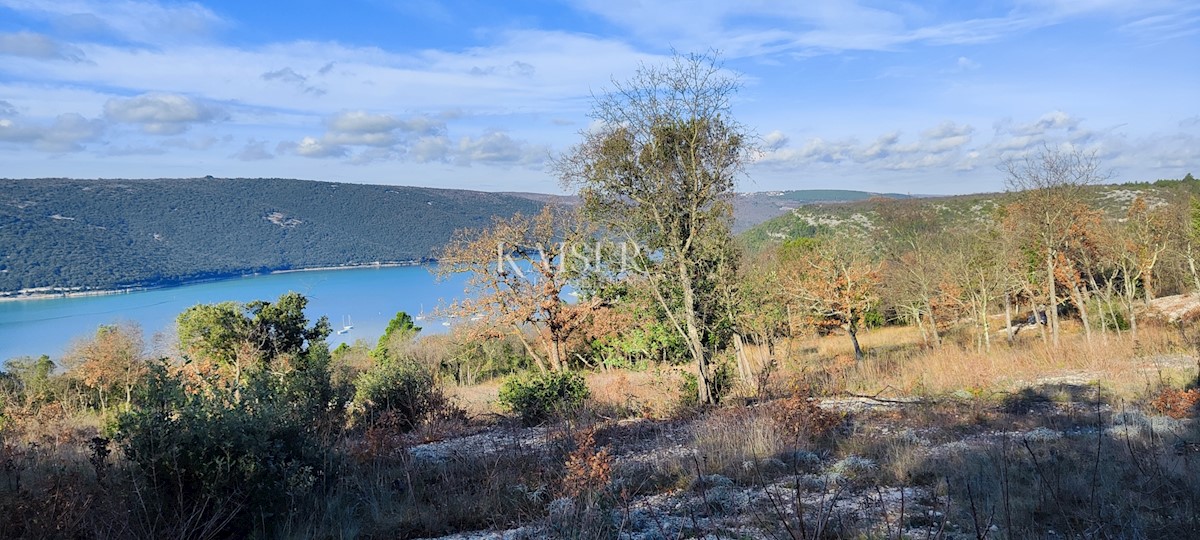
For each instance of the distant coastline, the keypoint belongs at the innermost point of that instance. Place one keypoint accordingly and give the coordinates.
(49, 293)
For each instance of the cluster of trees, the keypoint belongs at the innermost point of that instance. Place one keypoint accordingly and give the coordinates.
(656, 179)
(250, 412)
(1047, 252)
(105, 234)
(242, 419)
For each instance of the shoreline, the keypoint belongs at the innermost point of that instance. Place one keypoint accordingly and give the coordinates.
(18, 296)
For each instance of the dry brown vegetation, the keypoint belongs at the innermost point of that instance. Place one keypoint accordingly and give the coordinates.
(1093, 440)
(1003, 378)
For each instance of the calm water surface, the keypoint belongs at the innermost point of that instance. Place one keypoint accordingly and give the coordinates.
(366, 298)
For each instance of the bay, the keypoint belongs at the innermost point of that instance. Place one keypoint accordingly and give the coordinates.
(366, 298)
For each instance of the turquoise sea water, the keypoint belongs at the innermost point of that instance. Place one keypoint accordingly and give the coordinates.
(365, 297)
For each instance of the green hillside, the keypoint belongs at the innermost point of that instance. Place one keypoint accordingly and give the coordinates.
(751, 209)
(100, 234)
(862, 214)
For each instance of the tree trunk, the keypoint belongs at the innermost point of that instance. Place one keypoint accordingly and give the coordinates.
(744, 369)
(1099, 309)
(1131, 295)
(1148, 283)
(1008, 316)
(937, 338)
(987, 330)
(921, 326)
(1037, 318)
(852, 330)
(1191, 257)
(1131, 301)
(1053, 307)
(1081, 303)
(1133, 322)
(1111, 297)
(695, 343)
(541, 364)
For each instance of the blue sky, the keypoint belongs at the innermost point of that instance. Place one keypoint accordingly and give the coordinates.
(906, 97)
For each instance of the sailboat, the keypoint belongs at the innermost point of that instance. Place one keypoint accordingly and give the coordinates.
(346, 325)
(421, 315)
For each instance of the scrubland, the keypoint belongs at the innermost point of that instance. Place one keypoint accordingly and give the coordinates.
(1084, 440)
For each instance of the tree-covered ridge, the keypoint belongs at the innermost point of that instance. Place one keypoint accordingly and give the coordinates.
(863, 216)
(101, 234)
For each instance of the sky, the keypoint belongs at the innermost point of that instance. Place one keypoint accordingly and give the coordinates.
(904, 97)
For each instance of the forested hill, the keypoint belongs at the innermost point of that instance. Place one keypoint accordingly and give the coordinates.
(864, 215)
(101, 234)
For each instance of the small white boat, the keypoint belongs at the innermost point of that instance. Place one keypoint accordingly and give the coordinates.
(421, 316)
(346, 326)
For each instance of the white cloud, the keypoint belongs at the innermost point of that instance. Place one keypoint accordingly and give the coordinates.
(66, 133)
(950, 149)
(289, 77)
(197, 144)
(430, 149)
(380, 139)
(945, 137)
(255, 150)
(378, 129)
(365, 78)
(882, 147)
(419, 139)
(315, 148)
(938, 146)
(162, 114)
(363, 122)
(1157, 28)
(387, 135)
(498, 148)
(129, 20)
(135, 151)
(756, 28)
(502, 102)
(286, 75)
(37, 46)
(775, 140)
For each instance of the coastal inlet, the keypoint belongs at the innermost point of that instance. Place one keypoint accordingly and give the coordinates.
(369, 297)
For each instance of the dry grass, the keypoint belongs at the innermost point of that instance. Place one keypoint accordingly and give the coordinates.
(616, 393)
(646, 394)
(731, 441)
(985, 462)
(477, 400)
(898, 364)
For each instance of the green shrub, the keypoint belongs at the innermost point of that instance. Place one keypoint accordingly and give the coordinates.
(873, 318)
(721, 383)
(537, 398)
(402, 388)
(238, 462)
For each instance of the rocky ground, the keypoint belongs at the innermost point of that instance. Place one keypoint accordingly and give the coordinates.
(871, 476)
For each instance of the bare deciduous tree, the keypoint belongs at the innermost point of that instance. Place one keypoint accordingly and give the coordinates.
(658, 168)
(1051, 183)
(834, 280)
(114, 360)
(519, 268)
